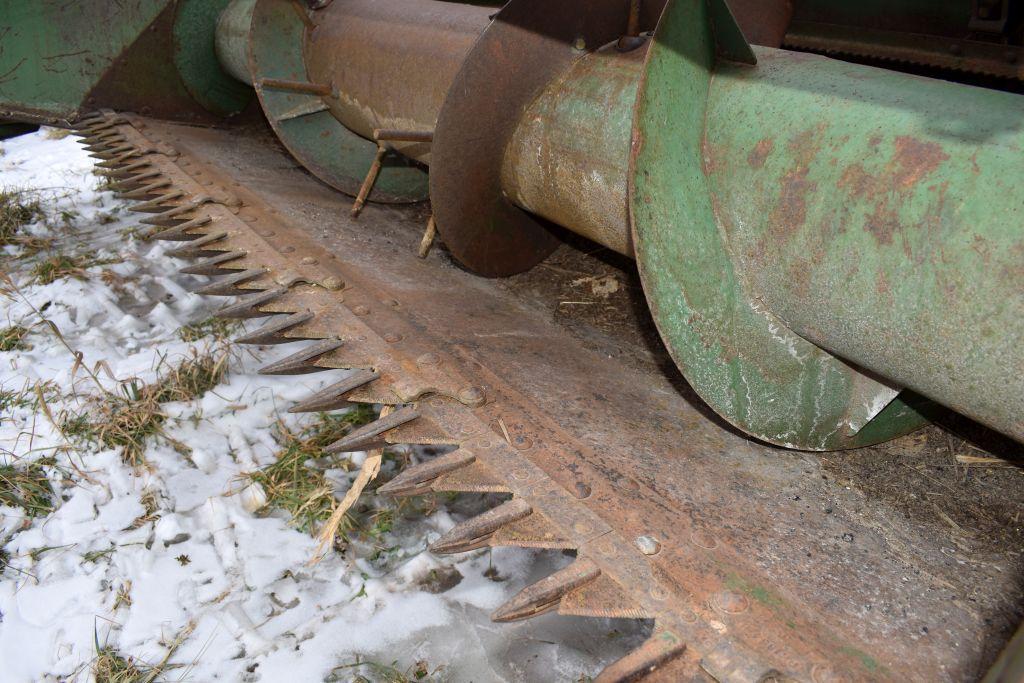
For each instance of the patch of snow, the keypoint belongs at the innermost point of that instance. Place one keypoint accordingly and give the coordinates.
(233, 585)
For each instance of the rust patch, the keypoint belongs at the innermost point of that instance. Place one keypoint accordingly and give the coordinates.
(856, 181)
(790, 213)
(914, 160)
(883, 223)
(882, 284)
(760, 153)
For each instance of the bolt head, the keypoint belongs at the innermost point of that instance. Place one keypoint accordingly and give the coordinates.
(648, 545)
(471, 396)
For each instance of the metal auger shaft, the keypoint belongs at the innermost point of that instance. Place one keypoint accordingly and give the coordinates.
(870, 219)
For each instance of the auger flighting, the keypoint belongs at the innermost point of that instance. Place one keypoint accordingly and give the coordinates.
(825, 246)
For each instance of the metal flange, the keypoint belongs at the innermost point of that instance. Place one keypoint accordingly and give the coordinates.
(299, 114)
(742, 360)
(528, 45)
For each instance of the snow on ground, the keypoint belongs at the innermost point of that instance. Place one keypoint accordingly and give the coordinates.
(172, 558)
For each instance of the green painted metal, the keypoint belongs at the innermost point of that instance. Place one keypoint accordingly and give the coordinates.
(738, 356)
(804, 211)
(232, 38)
(62, 58)
(196, 58)
(330, 151)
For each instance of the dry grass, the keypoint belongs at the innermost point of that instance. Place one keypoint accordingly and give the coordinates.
(218, 328)
(368, 671)
(63, 266)
(18, 208)
(13, 339)
(128, 421)
(110, 666)
(291, 484)
(27, 487)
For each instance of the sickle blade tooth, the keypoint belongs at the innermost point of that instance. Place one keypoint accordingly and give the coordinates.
(118, 162)
(227, 285)
(604, 598)
(124, 171)
(146, 191)
(249, 306)
(418, 479)
(180, 233)
(133, 182)
(333, 397)
(547, 594)
(104, 143)
(274, 333)
(534, 531)
(173, 216)
(476, 532)
(100, 137)
(303, 362)
(115, 152)
(214, 265)
(199, 247)
(424, 432)
(658, 651)
(158, 205)
(477, 478)
(371, 436)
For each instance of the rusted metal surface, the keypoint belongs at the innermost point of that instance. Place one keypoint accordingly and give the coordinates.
(889, 230)
(391, 62)
(529, 44)
(750, 580)
(156, 56)
(568, 158)
(983, 37)
(302, 119)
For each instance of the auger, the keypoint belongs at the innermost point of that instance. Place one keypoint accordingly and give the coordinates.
(822, 244)
(828, 249)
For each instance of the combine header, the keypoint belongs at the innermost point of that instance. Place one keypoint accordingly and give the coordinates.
(830, 249)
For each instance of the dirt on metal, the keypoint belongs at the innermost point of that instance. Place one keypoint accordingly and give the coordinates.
(754, 563)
